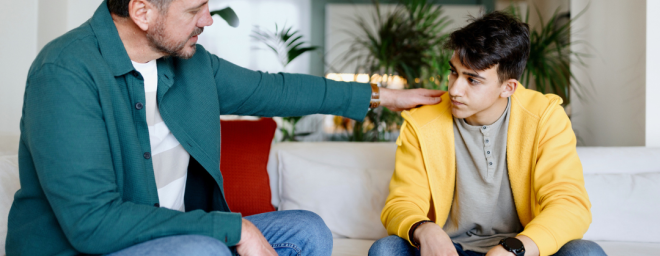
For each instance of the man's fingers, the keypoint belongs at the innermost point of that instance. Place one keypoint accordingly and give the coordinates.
(433, 93)
(431, 100)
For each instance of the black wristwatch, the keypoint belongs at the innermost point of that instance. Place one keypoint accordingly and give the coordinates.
(513, 245)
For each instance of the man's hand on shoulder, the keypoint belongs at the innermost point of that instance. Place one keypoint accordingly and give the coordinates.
(253, 243)
(433, 241)
(399, 100)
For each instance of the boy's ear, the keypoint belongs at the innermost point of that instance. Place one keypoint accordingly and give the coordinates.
(508, 88)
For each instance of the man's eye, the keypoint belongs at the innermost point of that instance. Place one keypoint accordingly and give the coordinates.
(472, 81)
(453, 72)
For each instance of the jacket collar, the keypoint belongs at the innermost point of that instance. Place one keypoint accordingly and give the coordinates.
(111, 47)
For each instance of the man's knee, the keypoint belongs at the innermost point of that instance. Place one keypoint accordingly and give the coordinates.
(391, 245)
(313, 225)
(202, 245)
(581, 247)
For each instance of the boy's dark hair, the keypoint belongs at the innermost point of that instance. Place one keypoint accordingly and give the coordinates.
(120, 7)
(495, 38)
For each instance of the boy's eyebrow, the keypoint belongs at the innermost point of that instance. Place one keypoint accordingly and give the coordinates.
(467, 73)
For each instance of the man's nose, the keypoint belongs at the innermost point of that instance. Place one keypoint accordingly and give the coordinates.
(206, 19)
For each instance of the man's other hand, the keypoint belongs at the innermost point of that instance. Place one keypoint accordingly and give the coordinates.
(433, 241)
(399, 100)
(253, 243)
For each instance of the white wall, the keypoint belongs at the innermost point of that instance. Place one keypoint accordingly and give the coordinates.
(614, 114)
(18, 47)
(652, 68)
(25, 27)
(235, 44)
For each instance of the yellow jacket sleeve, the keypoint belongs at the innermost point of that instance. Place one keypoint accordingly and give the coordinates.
(562, 206)
(410, 196)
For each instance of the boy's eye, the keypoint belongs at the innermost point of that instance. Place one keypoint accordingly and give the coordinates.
(453, 72)
(473, 81)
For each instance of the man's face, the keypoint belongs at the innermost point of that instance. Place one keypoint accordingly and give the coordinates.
(473, 93)
(175, 30)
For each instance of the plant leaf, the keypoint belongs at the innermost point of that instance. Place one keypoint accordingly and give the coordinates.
(228, 15)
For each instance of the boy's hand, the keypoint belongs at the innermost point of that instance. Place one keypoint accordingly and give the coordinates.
(433, 241)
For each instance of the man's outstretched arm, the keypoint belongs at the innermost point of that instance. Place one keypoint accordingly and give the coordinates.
(245, 92)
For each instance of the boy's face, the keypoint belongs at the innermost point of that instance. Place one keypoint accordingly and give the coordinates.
(477, 96)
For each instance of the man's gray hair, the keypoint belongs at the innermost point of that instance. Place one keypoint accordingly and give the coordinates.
(120, 7)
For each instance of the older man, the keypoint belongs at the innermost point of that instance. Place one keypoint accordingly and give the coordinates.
(120, 143)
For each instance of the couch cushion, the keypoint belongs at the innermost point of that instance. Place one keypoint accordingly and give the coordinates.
(625, 207)
(379, 155)
(619, 159)
(245, 148)
(9, 184)
(348, 199)
(351, 247)
(629, 248)
(8, 143)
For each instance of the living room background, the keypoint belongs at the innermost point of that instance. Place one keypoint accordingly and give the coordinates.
(621, 112)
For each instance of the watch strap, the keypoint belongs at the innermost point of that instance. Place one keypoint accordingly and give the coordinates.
(375, 96)
(411, 232)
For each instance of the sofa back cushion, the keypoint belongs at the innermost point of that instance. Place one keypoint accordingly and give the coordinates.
(624, 206)
(9, 184)
(375, 156)
(342, 185)
(619, 159)
(244, 155)
(349, 199)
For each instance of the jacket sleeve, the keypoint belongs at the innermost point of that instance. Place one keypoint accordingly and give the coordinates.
(409, 200)
(65, 133)
(563, 208)
(245, 92)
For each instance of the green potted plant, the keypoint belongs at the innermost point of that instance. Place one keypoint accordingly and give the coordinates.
(548, 69)
(406, 42)
(287, 45)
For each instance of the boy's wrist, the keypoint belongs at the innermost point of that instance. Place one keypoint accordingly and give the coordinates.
(414, 234)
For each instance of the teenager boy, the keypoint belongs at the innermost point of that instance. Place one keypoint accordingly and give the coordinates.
(493, 169)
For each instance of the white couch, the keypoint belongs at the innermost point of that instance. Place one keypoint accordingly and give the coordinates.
(346, 183)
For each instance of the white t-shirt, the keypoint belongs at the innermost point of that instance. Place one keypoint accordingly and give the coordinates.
(169, 158)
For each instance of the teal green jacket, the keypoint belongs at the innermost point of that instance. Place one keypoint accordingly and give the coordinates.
(87, 181)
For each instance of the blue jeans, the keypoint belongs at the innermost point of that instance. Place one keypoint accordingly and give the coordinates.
(395, 245)
(289, 232)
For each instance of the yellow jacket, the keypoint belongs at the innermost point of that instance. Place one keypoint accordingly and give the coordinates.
(544, 170)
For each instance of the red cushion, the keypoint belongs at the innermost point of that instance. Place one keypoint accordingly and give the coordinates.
(245, 147)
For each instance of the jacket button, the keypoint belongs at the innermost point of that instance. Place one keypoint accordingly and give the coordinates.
(157, 204)
(139, 106)
(147, 155)
(134, 73)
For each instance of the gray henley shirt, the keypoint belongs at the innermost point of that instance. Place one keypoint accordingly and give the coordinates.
(483, 211)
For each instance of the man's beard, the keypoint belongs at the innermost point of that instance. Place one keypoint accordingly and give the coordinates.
(158, 41)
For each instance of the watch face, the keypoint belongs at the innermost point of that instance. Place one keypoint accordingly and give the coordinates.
(513, 243)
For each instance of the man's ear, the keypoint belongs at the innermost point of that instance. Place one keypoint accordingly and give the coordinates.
(508, 88)
(142, 12)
